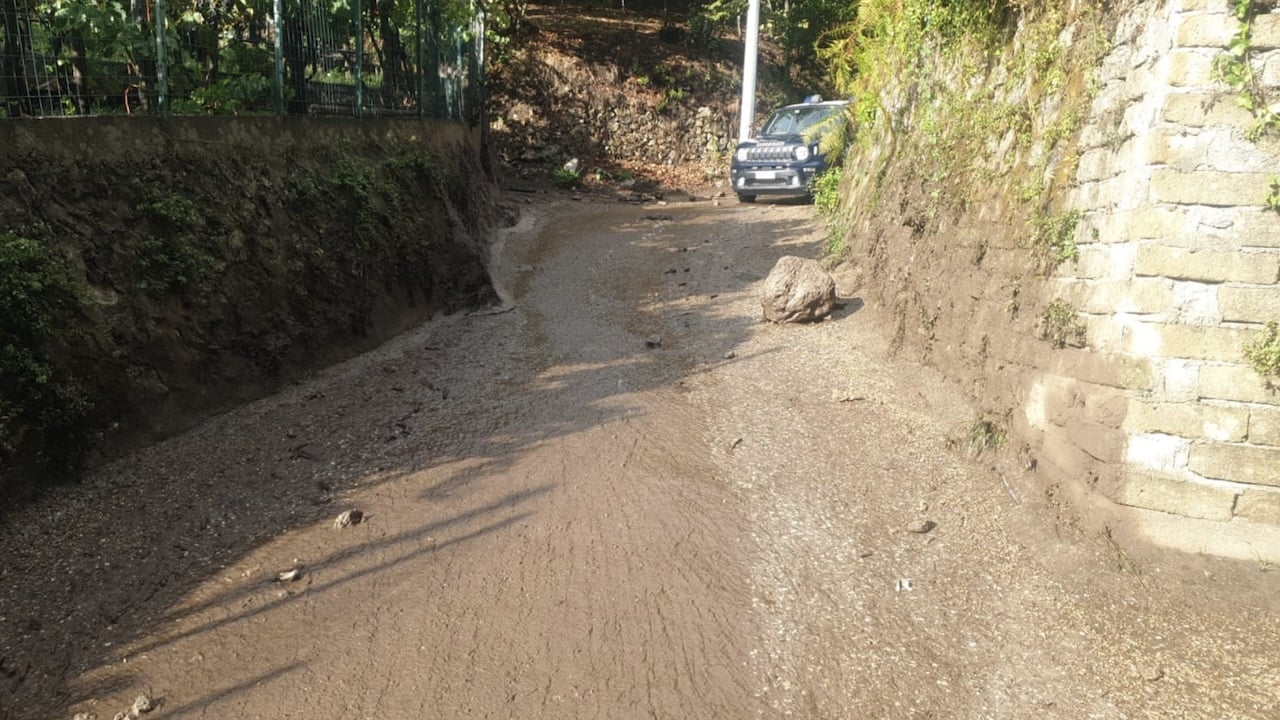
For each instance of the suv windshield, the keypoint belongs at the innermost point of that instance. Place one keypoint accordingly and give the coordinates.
(798, 120)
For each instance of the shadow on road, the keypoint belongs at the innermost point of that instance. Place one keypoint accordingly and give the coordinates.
(612, 301)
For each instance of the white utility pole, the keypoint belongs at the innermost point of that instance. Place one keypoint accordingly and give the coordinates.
(749, 70)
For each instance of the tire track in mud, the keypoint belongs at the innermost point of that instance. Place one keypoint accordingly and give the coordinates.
(543, 535)
(562, 522)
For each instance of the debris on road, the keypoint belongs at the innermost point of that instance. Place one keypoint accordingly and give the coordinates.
(921, 527)
(654, 341)
(904, 585)
(142, 704)
(347, 518)
(290, 575)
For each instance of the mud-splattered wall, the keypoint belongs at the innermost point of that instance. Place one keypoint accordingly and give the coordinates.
(171, 268)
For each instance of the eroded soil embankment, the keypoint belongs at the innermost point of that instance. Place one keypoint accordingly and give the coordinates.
(158, 271)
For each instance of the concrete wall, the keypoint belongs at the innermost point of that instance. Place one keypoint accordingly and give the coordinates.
(1177, 269)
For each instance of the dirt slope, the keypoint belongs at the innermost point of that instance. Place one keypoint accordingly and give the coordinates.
(627, 92)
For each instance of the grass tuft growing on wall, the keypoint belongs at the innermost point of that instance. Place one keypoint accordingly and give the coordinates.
(975, 109)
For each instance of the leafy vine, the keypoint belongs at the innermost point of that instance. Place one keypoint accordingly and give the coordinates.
(1235, 68)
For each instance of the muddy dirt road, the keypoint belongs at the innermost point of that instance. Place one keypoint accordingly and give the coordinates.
(624, 498)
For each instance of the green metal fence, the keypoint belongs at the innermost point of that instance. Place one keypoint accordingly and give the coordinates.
(296, 57)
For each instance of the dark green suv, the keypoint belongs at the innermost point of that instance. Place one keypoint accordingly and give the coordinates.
(784, 157)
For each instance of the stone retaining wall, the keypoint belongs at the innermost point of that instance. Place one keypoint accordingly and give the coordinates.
(1177, 270)
(1121, 375)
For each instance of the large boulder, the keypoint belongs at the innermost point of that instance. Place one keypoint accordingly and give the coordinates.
(797, 290)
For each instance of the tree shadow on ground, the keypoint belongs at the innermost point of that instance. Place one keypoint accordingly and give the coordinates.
(116, 563)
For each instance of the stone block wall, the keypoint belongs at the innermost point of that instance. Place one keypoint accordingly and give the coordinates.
(1178, 268)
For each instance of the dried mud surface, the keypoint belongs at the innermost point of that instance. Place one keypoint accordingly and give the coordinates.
(619, 496)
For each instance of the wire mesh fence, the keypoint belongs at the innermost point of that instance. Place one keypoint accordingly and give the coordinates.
(296, 57)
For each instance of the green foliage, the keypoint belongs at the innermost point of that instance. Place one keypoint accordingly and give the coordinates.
(1061, 326)
(41, 404)
(1263, 352)
(709, 18)
(965, 141)
(302, 186)
(670, 97)
(567, 178)
(984, 435)
(369, 198)
(893, 45)
(174, 211)
(229, 96)
(801, 25)
(1273, 197)
(825, 189)
(834, 135)
(1235, 68)
(1053, 239)
(504, 19)
(174, 265)
(174, 259)
(105, 28)
(219, 55)
(826, 192)
(888, 36)
(355, 176)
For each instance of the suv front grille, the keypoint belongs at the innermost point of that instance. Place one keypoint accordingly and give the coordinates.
(770, 153)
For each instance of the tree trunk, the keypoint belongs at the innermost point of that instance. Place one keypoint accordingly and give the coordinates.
(294, 46)
(13, 60)
(144, 68)
(392, 56)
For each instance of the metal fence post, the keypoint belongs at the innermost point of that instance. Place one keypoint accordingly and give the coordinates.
(435, 88)
(482, 91)
(417, 51)
(278, 19)
(359, 6)
(162, 79)
(461, 68)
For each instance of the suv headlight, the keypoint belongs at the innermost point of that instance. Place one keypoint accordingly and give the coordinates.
(741, 154)
(801, 153)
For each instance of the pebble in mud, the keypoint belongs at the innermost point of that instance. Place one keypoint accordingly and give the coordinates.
(921, 527)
